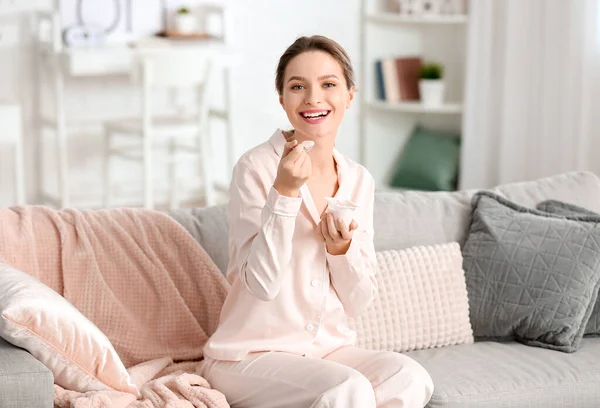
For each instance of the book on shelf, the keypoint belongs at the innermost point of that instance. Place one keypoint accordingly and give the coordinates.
(397, 78)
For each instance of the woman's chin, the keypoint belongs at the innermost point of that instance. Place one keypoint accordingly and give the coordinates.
(313, 131)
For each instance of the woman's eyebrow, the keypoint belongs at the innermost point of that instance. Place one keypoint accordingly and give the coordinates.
(322, 77)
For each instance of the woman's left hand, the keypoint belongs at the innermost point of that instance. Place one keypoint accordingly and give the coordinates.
(337, 235)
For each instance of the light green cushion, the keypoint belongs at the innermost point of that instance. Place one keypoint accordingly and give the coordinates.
(429, 161)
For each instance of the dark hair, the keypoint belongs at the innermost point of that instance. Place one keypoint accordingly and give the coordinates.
(314, 43)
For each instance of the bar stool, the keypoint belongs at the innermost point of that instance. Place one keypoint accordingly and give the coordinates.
(11, 133)
(176, 70)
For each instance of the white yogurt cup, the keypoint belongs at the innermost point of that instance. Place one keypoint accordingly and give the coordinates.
(340, 208)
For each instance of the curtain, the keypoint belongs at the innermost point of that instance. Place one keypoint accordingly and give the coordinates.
(533, 90)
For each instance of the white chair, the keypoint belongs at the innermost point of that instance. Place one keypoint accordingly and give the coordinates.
(11, 133)
(49, 46)
(176, 70)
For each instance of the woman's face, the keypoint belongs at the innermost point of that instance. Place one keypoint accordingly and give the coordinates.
(315, 94)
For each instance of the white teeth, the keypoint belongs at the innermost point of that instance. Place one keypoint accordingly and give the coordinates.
(315, 114)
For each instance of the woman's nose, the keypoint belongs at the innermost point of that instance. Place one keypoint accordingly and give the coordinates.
(313, 97)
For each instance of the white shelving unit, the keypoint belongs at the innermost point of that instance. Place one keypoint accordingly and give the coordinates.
(414, 107)
(385, 126)
(395, 18)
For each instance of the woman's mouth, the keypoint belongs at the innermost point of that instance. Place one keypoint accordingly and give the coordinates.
(315, 116)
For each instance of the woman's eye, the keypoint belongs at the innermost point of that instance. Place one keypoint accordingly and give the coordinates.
(328, 85)
(297, 87)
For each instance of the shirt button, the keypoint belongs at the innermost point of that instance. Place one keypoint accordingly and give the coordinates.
(314, 283)
(310, 327)
(342, 328)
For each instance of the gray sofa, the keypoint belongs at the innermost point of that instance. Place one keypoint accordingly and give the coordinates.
(482, 375)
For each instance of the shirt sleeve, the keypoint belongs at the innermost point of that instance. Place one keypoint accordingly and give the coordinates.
(353, 273)
(261, 228)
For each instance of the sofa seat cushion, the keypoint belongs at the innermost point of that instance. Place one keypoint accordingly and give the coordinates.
(24, 381)
(512, 375)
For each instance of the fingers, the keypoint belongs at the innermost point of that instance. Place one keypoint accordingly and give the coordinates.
(332, 229)
(294, 150)
(344, 231)
(291, 156)
(297, 153)
(306, 165)
(298, 162)
(323, 228)
(301, 161)
(288, 147)
(335, 230)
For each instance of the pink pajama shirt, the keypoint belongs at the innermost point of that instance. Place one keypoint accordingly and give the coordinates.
(289, 296)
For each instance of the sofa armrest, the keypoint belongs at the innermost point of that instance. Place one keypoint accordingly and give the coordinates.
(24, 381)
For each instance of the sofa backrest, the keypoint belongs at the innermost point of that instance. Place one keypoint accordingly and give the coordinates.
(405, 219)
(209, 227)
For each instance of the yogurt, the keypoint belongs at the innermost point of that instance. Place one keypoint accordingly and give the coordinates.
(340, 208)
(307, 145)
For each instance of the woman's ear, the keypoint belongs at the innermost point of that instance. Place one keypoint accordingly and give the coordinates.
(350, 97)
(281, 101)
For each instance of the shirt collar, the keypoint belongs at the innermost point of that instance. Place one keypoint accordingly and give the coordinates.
(277, 140)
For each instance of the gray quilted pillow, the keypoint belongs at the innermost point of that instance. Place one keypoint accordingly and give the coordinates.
(531, 276)
(570, 210)
(565, 209)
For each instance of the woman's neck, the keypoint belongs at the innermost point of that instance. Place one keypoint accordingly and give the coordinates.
(321, 154)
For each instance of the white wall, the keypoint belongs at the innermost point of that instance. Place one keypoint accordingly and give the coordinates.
(263, 29)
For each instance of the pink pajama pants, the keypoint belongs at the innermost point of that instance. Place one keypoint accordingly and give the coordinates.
(347, 378)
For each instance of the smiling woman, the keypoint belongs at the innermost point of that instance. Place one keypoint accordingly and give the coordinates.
(297, 270)
(315, 43)
(315, 82)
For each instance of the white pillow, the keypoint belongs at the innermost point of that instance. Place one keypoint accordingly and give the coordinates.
(38, 319)
(422, 301)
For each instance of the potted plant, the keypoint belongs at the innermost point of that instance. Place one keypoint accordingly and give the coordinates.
(431, 84)
(185, 21)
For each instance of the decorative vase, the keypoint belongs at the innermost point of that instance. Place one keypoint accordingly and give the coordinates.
(185, 23)
(432, 92)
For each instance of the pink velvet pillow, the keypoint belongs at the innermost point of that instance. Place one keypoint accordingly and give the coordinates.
(39, 320)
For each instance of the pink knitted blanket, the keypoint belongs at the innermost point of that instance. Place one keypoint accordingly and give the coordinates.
(142, 279)
(161, 383)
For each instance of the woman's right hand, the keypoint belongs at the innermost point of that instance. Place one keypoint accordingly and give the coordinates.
(295, 167)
